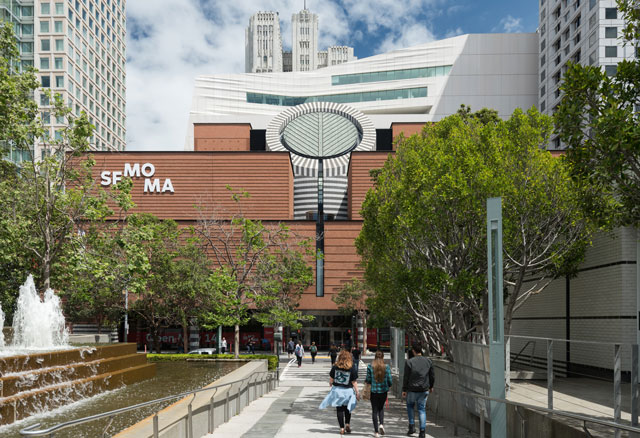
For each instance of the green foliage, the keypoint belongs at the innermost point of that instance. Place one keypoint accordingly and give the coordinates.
(256, 266)
(599, 122)
(272, 360)
(423, 240)
(18, 110)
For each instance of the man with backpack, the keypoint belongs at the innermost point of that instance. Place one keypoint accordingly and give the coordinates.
(299, 351)
(417, 383)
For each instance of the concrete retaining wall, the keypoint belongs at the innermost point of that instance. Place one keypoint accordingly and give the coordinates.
(211, 408)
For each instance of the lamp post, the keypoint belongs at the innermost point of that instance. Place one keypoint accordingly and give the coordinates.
(496, 318)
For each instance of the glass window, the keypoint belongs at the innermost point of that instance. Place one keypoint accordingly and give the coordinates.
(44, 26)
(60, 45)
(60, 81)
(57, 26)
(592, 39)
(45, 45)
(592, 3)
(45, 8)
(611, 70)
(44, 100)
(610, 13)
(611, 51)
(59, 8)
(44, 63)
(611, 32)
(58, 135)
(26, 47)
(27, 11)
(45, 81)
(58, 63)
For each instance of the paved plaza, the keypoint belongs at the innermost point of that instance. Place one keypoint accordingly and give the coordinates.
(291, 410)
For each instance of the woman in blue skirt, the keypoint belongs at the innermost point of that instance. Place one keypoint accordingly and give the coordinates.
(344, 390)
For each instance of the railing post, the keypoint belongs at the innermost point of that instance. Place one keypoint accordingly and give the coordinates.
(482, 434)
(227, 408)
(617, 393)
(507, 364)
(190, 421)
(238, 399)
(549, 374)
(211, 425)
(455, 414)
(635, 393)
(156, 427)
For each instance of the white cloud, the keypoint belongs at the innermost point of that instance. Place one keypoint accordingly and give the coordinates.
(171, 42)
(511, 24)
(412, 35)
(454, 32)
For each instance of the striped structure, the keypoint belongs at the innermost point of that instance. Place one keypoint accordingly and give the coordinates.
(305, 170)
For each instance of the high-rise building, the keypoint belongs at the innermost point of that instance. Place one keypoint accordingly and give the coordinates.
(263, 43)
(586, 32)
(78, 48)
(304, 43)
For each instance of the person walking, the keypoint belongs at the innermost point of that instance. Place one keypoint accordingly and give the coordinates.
(344, 390)
(313, 350)
(299, 353)
(290, 347)
(356, 357)
(223, 345)
(416, 386)
(333, 353)
(379, 376)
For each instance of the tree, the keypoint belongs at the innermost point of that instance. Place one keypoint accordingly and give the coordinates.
(192, 291)
(245, 253)
(281, 278)
(352, 298)
(599, 122)
(423, 240)
(18, 110)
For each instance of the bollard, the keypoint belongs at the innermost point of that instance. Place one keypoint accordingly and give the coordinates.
(190, 421)
(211, 425)
(634, 385)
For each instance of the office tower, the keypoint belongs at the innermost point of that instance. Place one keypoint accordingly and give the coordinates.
(582, 31)
(78, 47)
(263, 43)
(304, 27)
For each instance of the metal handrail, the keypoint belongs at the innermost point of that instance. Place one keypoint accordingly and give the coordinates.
(582, 418)
(29, 431)
(577, 341)
(523, 348)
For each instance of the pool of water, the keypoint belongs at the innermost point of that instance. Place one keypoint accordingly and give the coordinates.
(171, 378)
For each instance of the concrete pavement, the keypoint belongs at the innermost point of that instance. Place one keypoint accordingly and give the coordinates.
(292, 409)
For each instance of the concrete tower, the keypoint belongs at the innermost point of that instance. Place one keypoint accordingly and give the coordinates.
(304, 27)
(263, 43)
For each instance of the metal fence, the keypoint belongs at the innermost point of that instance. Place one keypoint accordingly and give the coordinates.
(259, 378)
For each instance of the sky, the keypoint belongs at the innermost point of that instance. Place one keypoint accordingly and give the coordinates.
(171, 42)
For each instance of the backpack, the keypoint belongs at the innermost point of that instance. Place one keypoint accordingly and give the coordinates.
(298, 350)
(313, 349)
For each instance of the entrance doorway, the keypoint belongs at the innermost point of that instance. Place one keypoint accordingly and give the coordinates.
(321, 338)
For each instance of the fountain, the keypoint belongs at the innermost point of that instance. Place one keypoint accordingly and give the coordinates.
(39, 371)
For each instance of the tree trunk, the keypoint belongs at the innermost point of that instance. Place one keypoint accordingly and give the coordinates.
(236, 341)
(185, 337)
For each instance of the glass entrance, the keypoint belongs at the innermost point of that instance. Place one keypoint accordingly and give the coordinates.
(321, 338)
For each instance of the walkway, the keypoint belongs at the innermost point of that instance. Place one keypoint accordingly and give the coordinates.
(292, 409)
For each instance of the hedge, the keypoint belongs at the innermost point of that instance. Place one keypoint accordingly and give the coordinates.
(272, 360)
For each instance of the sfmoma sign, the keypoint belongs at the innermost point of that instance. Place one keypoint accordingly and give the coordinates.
(136, 170)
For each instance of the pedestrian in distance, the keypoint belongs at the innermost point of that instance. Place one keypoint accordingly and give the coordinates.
(356, 357)
(333, 353)
(417, 384)
(290, 347)
(299, 353)
(223, 345)
(314, 351)
(379, 376)
(344, 390)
